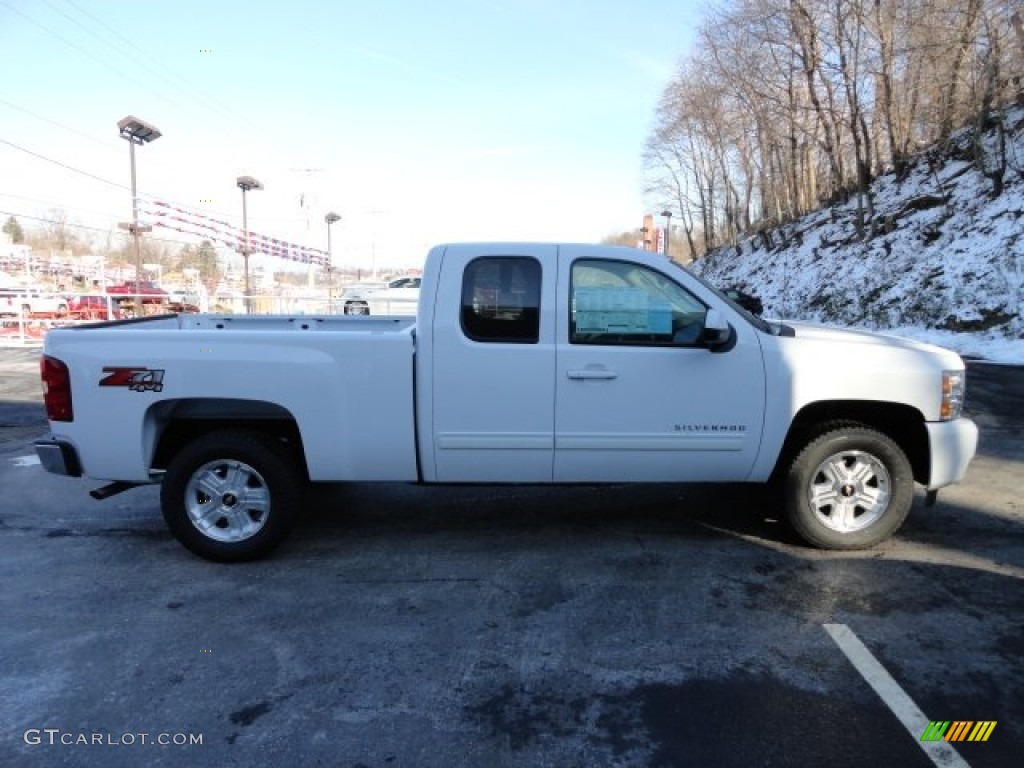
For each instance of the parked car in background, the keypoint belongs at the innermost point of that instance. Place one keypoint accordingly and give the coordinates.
(151, 292)
(93, 307)
(27, 301)
(746, 300)
(401, 297)
(183, 301)
(355, 298)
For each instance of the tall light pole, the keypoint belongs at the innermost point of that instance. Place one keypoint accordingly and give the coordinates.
(668, 228)
(136, 131)
(245, 183)
(330, 218)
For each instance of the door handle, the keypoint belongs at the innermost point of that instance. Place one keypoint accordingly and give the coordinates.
(592, 374)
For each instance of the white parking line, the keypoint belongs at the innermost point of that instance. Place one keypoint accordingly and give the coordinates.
(895, 698)
(25, 461)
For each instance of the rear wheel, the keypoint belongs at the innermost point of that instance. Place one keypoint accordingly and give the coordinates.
(850, 488)
(232, 496)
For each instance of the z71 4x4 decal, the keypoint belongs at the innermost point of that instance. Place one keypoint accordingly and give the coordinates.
(136, 379)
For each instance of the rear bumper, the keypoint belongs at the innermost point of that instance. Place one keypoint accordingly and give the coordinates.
(952, 445)
(58, 457)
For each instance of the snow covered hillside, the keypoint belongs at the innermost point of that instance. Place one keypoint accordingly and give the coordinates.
(946, 263)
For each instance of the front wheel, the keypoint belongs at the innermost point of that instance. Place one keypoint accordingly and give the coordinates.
(850, 488)
(232, 496)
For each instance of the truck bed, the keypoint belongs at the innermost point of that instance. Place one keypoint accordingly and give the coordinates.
(208, 322)
(346, 382)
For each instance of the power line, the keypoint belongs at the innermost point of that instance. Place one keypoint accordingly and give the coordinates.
(149, 196)
(144, 59)
(85, 53)
(203, 100)
(62, 165)
(53, 204)
(141, 61)
(155, 239)
(108, 145)
(69, 167)
(87, 227)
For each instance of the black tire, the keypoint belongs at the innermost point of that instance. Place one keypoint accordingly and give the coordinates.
(849, 488)
(237, 465)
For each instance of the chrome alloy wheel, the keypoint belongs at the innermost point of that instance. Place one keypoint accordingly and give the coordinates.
(227, 501)
(849, 491)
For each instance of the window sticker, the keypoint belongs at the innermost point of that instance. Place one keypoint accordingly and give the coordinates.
(621, 311)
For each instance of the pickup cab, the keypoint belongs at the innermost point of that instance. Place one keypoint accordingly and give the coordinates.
(526, 363)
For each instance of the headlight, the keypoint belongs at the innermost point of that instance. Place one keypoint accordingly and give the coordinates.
(952, 395)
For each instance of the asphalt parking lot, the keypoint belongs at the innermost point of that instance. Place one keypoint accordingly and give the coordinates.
(478, 626)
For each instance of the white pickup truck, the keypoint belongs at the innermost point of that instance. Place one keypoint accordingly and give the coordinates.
(26, 301)
(401, 297)
(527, 363)
(399, 294)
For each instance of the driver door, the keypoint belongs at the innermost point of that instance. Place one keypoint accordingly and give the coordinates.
(639, 397)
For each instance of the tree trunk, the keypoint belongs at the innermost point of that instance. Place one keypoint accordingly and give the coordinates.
(964, 42)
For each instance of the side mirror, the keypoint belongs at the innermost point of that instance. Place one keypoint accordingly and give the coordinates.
(717, 335)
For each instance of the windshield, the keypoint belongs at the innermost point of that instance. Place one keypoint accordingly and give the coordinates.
(758, 322)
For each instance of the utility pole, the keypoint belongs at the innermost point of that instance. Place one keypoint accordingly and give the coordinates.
(306, 201)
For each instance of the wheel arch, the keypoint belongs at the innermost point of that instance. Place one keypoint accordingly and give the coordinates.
(901, 423)
(172, 424)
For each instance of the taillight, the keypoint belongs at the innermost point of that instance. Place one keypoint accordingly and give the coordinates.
(56, 389)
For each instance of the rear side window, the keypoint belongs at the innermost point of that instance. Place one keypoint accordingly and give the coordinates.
(501, 299)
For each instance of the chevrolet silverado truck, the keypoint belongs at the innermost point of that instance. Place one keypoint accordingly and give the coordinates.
(526, 363)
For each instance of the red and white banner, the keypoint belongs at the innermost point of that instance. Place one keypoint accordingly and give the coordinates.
(167, 216)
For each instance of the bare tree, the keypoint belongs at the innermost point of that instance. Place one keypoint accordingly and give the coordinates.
(58, 229)
(785, 104)
(882, 25)
(991, 160)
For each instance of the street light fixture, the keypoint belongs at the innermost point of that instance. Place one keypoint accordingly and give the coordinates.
(668, 228)
(330, 218)
(136, 131)
(245, 183)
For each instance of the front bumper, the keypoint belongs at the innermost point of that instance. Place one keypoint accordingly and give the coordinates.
(951, 445)
(58, 456)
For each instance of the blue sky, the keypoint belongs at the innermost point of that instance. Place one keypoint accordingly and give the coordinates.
(417, 122)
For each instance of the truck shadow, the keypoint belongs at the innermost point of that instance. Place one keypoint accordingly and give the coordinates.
(949, 534)
(700, 510)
